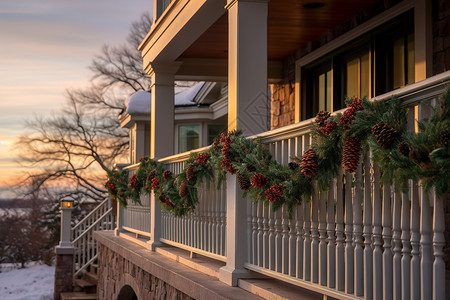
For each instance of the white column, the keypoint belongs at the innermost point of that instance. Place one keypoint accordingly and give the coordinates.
(139, 142)
(438, 245)
(247, 66)
(247, 110)
(161, 133)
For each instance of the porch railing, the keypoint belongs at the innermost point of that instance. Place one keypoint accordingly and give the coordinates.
(344, 246)
(358, 240)
(135, 218)
(203, 230)
(82, 235)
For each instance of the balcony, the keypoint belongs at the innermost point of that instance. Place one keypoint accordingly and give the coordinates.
(338, 244)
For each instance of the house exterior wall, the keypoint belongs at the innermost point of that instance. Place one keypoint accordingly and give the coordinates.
(441, 36)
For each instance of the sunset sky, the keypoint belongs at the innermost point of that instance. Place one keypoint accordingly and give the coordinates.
(45, 48)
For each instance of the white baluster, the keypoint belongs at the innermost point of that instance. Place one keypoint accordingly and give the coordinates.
(396, 242)
(349, 251)
(415, 243)
(271, 239)
(292, 255)
(357, 234)
(367, 230)
(266, 234)
(307, 242)
(406, 248)
(254, 254)
(340, 248)
(249, 231)
(387, 237)
(322, 239)
(278, 240)
(377, 252)
(284, 241)
(315, 236)
(223, 220)
(260, 236)
(438, 245)
(299, 241)
(425, 242)
(331, 249)
(217, 195)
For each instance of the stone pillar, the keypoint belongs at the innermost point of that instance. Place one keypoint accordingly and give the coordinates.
(161, 132)
(247, 110)
(63, 271)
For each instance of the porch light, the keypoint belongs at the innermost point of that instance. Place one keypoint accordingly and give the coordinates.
(67, 202)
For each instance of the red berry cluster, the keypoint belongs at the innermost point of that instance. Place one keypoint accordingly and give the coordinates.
(350, 114)
(133, 181)
(225, 138)
(167, 174)
(155, 183)
(203, 158)
(151, 175)
(170, 204)
(274, 193)
(258, 180)
(328, 127)
(111, 187)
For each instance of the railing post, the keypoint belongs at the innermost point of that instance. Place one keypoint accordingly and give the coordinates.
(236, 235)
(64, 252)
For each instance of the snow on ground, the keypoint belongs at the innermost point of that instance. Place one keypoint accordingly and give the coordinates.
(32, 283)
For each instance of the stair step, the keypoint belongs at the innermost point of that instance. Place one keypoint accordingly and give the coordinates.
(78, 296)
(94, 268)
(88, 276)
(84, 283)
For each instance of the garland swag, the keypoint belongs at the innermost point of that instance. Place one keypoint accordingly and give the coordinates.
(379, 127)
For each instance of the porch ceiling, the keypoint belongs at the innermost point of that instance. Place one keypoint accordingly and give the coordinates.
(290, 27)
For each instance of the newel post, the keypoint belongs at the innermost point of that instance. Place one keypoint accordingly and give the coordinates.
(64, 252)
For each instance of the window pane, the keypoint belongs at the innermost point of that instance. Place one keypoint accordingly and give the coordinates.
(352, 78)
(322, 92)
(365, 76)
(188, 137)
(411, 69)
(399, 62)
(329, 104)
(215, 131)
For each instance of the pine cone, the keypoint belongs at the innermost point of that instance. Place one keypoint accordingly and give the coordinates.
(384, 134)
(244, 182)
(293, 165)
(309, 164)
(445, 137)
(351, 155)
(190, 174)
(403, 148)
(183, 189)
(376, 129)
(250, 168)
(321, 117)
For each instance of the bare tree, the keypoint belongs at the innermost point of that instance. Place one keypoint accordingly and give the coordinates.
(78, 145)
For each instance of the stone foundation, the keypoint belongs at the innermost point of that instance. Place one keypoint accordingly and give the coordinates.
(116, 272)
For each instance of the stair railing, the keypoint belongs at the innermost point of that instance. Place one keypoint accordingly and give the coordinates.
(82, 235)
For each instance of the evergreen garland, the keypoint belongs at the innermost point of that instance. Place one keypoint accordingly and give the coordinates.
(379, 126)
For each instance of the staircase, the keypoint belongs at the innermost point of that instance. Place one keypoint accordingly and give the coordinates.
(86, 251)
(85, 287)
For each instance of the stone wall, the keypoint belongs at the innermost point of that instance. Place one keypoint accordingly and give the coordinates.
(283, 105)
(441, 36)
(116, 272)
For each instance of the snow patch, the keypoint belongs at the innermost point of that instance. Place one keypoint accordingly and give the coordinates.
(35, 282)
(140, 102)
